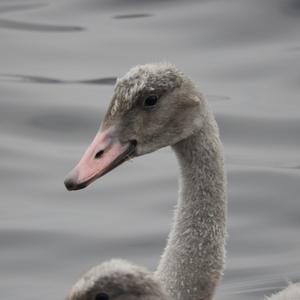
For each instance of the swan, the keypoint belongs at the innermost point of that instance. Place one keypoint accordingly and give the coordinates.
(154, 106)
(292, 292)
(117, 279)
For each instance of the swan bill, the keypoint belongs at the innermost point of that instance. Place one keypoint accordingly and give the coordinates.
(104, 154)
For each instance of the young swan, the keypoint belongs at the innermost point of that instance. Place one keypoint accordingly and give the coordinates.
(154, 106)
(117, 279)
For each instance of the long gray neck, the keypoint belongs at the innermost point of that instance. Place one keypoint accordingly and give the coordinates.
(192, 263)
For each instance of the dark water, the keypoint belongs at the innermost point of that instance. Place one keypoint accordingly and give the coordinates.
(59, 60)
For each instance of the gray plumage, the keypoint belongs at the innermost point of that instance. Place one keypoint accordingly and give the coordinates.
(292, 292)
(140, 82)
(191, 265)
(118, 279)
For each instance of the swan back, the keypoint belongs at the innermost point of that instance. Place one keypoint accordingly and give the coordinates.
(292, 292)
(117, 279)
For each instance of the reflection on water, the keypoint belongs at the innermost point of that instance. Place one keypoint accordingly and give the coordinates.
(58, 68)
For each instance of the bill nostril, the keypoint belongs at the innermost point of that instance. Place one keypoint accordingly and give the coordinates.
(99, 154)
(134, 142)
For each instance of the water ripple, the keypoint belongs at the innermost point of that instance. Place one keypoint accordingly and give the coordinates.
(292, 7)
(104, 80)
(132, 16)
(19, 25)
(50, 80)
(7, 8)
(64, 122)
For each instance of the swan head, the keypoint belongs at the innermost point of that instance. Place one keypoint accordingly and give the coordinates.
(152, 106)
(117, 279)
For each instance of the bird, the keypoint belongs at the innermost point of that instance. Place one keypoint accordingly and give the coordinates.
(292, 292)
(117, 279)
(154, 106)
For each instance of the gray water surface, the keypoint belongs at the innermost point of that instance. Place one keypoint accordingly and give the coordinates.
(58, 63)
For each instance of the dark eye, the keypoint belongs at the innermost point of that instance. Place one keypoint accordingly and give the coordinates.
(102, 296)
(150, 100)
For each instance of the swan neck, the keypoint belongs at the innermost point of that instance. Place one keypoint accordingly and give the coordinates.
(192, 263)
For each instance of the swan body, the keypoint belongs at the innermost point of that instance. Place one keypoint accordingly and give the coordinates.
(117, 279)
(292, 292)
(154, 106)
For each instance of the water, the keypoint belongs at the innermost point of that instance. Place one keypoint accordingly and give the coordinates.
(59, 60)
